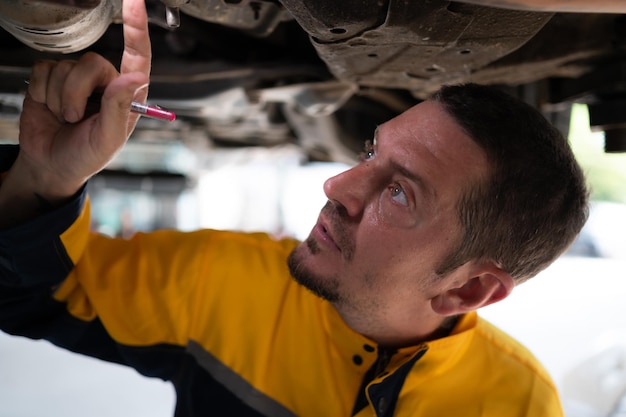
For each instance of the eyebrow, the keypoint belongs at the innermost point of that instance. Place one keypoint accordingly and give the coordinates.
(426, 188)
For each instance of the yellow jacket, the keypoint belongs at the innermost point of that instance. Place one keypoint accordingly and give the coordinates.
(217, 314)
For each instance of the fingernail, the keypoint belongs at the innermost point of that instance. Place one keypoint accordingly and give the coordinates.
(141, 87)
(70, 115)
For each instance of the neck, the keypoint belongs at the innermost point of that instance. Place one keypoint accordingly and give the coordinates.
(397, 333)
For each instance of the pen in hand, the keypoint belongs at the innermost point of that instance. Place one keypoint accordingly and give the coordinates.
(154, 112)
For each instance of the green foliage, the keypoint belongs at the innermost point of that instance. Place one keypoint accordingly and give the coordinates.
(606, 172)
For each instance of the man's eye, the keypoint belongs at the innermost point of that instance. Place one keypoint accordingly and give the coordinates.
(368, 151)
(398, 195)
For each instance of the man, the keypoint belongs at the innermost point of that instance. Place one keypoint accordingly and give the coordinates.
(454, 203)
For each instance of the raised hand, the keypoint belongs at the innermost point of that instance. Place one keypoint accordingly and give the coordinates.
(60, 149)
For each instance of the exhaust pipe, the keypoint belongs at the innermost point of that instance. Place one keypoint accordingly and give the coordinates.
(60, 26)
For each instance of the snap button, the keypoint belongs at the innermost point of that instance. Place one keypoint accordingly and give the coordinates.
(382, 405)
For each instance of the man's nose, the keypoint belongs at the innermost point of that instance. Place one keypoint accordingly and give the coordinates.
(349, 189)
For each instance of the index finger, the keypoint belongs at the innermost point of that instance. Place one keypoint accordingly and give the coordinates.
(137, 50)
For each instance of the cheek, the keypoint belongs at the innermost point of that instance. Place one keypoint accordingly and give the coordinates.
(388, 213)
(403, 253)
(385, 252)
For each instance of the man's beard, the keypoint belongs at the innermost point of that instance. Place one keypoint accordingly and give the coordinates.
(324, 287)
(328, 290)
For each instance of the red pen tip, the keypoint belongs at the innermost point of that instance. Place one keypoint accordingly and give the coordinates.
(159, 113)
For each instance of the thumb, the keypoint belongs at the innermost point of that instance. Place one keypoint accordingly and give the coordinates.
(116, 122)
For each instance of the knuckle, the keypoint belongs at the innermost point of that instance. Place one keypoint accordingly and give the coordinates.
(91, 58)
(43, 65)
(64, 67)
(38, 82)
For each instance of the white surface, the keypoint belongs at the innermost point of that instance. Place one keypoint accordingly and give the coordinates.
(37, 379)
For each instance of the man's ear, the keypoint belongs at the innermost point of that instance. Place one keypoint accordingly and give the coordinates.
(481, 284)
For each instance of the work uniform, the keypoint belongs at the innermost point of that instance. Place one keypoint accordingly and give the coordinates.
(218, 314)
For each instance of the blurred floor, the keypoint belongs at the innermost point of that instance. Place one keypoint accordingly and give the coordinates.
(37, 379)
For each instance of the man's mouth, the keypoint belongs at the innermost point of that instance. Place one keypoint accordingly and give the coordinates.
(332, 230)
(324, 236)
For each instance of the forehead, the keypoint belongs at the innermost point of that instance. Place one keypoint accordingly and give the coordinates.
(426, 141)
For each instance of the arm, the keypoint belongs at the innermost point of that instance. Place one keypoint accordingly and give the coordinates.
(42, 185)
(59, 151)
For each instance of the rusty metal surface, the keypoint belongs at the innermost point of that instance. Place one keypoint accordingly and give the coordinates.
(569, 6)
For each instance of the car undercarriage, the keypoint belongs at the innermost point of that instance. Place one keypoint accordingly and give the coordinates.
(322, 74)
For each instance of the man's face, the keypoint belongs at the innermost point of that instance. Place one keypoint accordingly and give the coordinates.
(391, 219)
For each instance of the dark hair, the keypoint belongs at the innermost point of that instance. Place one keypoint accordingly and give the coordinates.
(535, 200)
